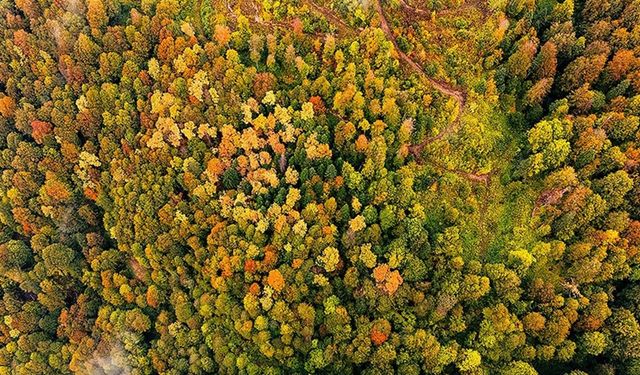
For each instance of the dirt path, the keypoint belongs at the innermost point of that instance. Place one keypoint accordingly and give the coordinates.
(446, 89)
(478, 177)
(484, 178)
(458, 94)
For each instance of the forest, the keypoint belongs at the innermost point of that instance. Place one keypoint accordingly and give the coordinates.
(320, 187)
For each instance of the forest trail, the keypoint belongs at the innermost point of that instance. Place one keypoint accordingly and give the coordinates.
(447, 89)
(457, 94)
(484, 178)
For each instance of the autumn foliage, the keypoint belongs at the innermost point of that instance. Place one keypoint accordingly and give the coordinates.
(315, 187)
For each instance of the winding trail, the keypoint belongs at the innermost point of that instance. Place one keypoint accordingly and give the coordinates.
(484, 178)
(458, 94)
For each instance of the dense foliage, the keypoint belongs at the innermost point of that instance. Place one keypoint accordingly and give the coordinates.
(270, 187)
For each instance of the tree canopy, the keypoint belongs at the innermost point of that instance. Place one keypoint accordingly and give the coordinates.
(305, 186)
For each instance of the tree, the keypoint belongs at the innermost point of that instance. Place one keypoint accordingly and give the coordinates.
(614, 187)
(59, 260)
(96, 16)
